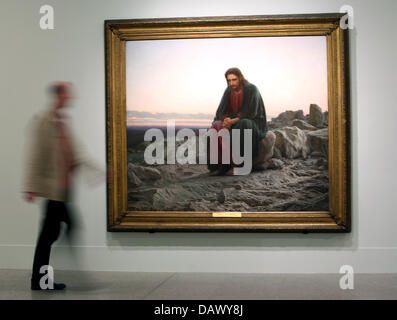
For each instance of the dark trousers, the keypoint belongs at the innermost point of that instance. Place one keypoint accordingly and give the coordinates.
(241, 125)
(55, 212)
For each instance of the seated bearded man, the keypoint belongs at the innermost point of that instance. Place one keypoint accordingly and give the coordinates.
(241, 108)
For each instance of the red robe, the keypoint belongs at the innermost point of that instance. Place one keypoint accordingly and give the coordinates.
(234, 107)
(233, 110)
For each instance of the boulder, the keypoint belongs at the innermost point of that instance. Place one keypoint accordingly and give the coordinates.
(143, 173)
(316, 116)
(142, 146)
(318, 141)
(286, 118)
(326, 118)
(133, 179)
(170, 172)
(144, 195)
(277, 153)
(266, 148)
(292, 142)
(303, 125)
(322, 163)
(316, 154)
(275, 164)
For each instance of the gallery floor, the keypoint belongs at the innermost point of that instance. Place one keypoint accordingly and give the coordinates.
(15, 285)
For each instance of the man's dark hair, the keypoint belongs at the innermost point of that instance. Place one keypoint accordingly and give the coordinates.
(56, 89)
(237, 72)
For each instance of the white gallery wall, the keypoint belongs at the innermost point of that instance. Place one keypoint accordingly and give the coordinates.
(74, 51)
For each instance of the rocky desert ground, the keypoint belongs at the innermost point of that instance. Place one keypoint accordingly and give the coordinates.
(294, 179)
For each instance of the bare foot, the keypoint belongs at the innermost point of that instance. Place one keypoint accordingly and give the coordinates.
(230, 172)
(215, 173)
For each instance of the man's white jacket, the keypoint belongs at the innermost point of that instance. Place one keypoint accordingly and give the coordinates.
(42, 170)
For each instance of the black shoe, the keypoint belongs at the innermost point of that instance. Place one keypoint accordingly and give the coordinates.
(57, 286)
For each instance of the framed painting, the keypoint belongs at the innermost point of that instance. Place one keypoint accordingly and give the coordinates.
(228, 124)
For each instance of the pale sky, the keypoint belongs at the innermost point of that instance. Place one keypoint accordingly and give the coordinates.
(187, 76)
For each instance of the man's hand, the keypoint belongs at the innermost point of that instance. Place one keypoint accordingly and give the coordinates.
(227, 123)
(30, 196)
(226, 120)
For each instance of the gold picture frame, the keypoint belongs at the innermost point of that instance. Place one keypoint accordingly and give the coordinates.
(337, 219)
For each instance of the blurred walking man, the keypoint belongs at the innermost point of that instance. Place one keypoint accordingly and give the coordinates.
(51, 162)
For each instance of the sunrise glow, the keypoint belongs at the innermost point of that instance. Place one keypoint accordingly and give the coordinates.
(184, 79)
